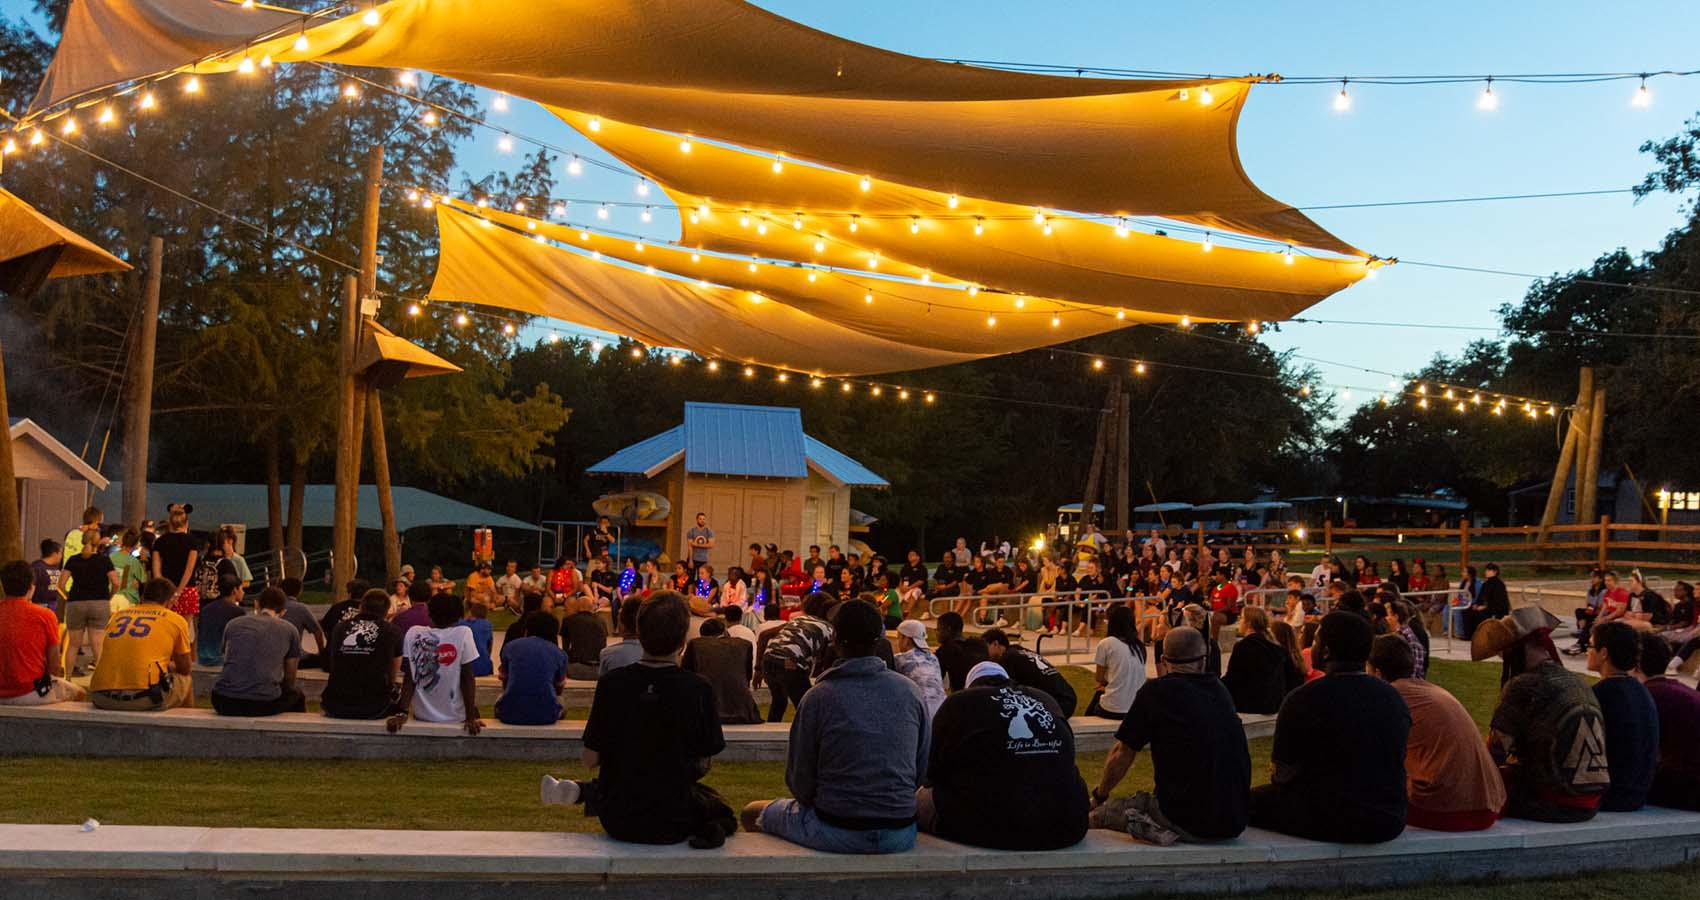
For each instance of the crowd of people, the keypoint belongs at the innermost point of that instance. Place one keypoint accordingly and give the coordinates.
(903, 728)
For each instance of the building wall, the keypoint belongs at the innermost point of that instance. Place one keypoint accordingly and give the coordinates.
(31, 460)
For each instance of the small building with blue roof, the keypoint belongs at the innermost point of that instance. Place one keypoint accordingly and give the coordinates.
(755, 474)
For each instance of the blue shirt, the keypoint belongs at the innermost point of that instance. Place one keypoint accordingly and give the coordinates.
(209, 630)
(1632, 741)
(483, 635)
(534, 666)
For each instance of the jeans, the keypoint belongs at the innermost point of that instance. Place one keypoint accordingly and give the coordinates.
(1455, 621)
(798, 824)
(783, 684)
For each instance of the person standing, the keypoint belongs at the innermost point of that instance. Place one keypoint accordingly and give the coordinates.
(89, 604)
(699, 540)
(858, 748)
(1198, 752)
(131, 573)
(176, 558)
(47, 573)
(792, 653)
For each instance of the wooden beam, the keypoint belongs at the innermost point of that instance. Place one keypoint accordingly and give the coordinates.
(138, 419)
(345, 506)
(1579, 418)
(1561, 473)
(1124, 437)
(11, 530)
(375, 409)
(1587, 506)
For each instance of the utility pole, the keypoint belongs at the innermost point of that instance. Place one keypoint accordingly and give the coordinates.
(139, 421)
(346, 504)
(374, 407)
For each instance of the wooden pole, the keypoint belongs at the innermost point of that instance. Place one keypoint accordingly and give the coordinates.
(139, 420)
(1328, 537)
(1101, 450)
(1587, 506)
(345, 505)
(375, 409)
(1463, 544)
(11, 531)
(1580, 418)
(1561, 473)
(1602, 556)
(1124, 437)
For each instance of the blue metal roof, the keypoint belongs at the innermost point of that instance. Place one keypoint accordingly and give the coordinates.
(645, 458)
(841, 468)
(734, 439)
(751, 441)
(230, 504)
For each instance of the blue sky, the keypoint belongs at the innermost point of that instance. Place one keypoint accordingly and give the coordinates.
(1396, 143)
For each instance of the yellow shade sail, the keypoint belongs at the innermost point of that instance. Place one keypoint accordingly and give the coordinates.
(34, 248)
(727, 70)
(939, 316)
(497, 267)
(726, 195)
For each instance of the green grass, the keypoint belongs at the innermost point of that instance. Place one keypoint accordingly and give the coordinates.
(460, 794)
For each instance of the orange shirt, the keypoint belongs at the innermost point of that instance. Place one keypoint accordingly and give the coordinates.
(26, 632)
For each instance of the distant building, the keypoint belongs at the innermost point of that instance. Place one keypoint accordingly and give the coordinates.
(1619, 495)
(54, 485)
(755, 474)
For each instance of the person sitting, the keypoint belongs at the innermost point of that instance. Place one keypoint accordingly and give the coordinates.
(1339, 756)
(857, 751)
(791, 653)
(306, 624)
(529, 602)
(1403, 619)
(147, 658)
(1451, 782)
(917, 663)
(418, 611)
(729, 665)
(1631, 719)
(221, 611)
(1119, 666)
(1198, 752)
(1257, 676)
(261, 653)
(533, 670)
(437, 684)
(483, 634)
(31, 669)
(353, 600)
(1676, 783)
(1029, 668)
(628, 649)
(958, 654)
(585, 636)
(734, 619)
(652, 732)
(1492, 601)
(363, 659)
(1588, 612)
(998, 746)
(1547, 734)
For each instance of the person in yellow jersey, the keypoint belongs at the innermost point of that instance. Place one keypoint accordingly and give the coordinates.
(147, 657)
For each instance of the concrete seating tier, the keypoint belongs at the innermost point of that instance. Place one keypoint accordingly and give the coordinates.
(79, 729)
(312, 683)
(52, 861)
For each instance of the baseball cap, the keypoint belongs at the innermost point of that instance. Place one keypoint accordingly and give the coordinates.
(914, 631)
(986, 669)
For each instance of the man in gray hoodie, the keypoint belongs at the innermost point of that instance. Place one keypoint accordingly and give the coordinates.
(858, 749)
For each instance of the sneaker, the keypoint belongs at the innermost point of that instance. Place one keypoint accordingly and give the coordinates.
(558, 791)
(1080, 630)
(1576, 650)
(1141, 826)
(926, 616)
(1001, 623)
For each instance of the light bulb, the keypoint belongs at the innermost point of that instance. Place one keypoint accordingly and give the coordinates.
(575, 166)
(413, 309)
(914, 224)
(814, 382)
(106, 115)
(460, 319)
(1642, 97)
(351, 91)
(193, 85)
(1288, 254)
(695, 256)
(783, 376)
(811, 276)
(1121, 315)
(868, 297)
(820, 245)
(979, 226)
(991, 321)
(875, 390)
(554, 338)
(1205, 98)
(761, 227)
(499, 103)
(1342, 100)
(855, 224)
(245, 67)
(1251, 327)
(405, 78)
(873, 261)
(583, 235)
(147, 101)
(1021, 303)
(951, 201)
(867, 183)
(602, 211)
(753, 265)
(637, 246)
(429, 118)
(973, 290)
(927, 276)
(508, 328)
(685, 144)
(1304, 390)
(929, 398)
(1056, 321)
(797, 221)
(702, 210)
(481, 202)
(266, 61)
(11, 146)
(845, 387)
(1098, 364)
(70, 126)
(642, 187)
(1488, 100)
(1208, 244)
(1038, 217)
(673, 360)
(1121, 227)
(301, 43)
(560, 209)
(371, 18)
(647, 214)
(749, 372)
(1139, 368)
(1047, 227)
(505, 144)
(713, 365)
(1423, 403)
(779, 164)
(1186, 321)
(594, 124)
(744, 220)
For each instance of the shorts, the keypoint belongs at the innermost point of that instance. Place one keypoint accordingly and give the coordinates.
(60, 691)
(82, 614)
(188, 602)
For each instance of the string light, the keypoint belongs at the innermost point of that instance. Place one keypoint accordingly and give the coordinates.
(797, 221)
(929, 397)
(844, 388)
(867, 183)
(642, 187)
(575, 166)
(951, 201)
(11, 146)
(855, 223)
(245, 67)
(914, 224)
(1186, 321)
(1488, 101)
(1205, 98)
(602, 211)
(461, 319)
(371, 18)
(301, 43)
(499, 103)
(1098, 365)
(1208, 244)
(647, 214)
(429, 118)
(193, 85)
(685, 144)
(820, 245)
(406, 78)
(1056, 321)
(875, 390)
(979, 226)
(814, 382)
(36, 137)
(413, 309)
(778, 164)
(991, 321)
(594, 124)
(559, 210)
(351, 91)
(1287, 255)
(1342, 100)
(505, 144)
(508, 329)
(70, 126)
(1121, 226)
(1139, 368)
(1642, 97)
(868, 297)
(147, 101)
(761, 226)
(783, 377)
(713, 365)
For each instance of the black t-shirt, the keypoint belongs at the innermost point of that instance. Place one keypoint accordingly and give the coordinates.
(1346, 734)
(172, 550)
(978, 579)
(999, 747)
(654, 727)
(339, 613)
(958, 656)
(1066, 583)
(834, 566)
(1098, 583)
(88, 577)
(605, 579)
(1257, 675)
(585, 637)
(1198, 751)
(1029, 668)
(362, 676)
(1632, 741)
(947, 577)
(912, 574)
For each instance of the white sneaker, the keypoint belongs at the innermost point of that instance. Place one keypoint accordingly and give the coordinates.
(926, 616)
(1000, 623)
(558, 791)
(1080, 631)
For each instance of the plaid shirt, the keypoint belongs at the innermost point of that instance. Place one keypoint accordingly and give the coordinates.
(1419, 656)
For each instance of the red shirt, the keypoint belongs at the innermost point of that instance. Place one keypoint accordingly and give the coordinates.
(564, 581)
(1224, 597)
(26, 631)
(1616, 601)
(1419, 582)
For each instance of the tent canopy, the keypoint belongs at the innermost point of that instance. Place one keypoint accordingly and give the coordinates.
(34, 248)
(245, 504)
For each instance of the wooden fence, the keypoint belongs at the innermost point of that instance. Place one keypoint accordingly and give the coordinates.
(1579, 547)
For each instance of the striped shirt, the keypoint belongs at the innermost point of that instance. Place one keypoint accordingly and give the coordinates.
(801, 639)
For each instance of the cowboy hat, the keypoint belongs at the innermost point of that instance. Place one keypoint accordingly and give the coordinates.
(1495, 636)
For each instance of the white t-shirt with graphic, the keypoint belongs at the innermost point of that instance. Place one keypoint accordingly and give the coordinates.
(1124, 674)
(435, 657)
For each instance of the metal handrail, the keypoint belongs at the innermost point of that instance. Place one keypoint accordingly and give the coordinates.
(1019, 603)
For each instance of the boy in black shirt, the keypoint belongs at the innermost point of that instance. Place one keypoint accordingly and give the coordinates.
(1339, 756)
(1029, 668)
(958, 654)
(653, 728)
